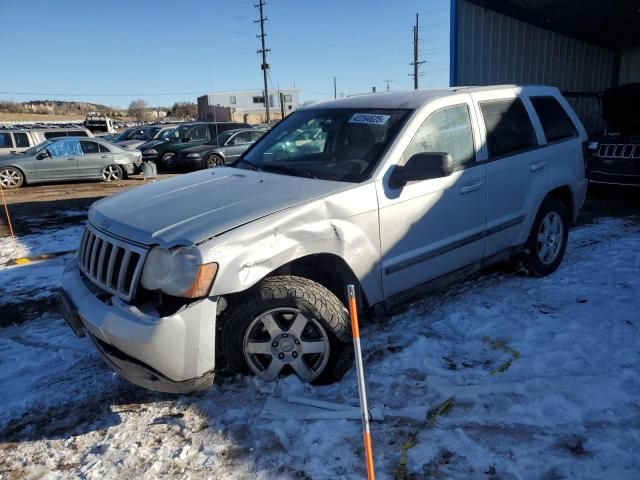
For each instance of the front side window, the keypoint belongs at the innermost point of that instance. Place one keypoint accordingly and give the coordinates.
(446, 131)
(242, 137)
(556, 124)
(77, 133)
(21, 139)
(258, 99)
(288, 98)
(5, 140)
(199, 132)
(509, 128)
(89, 148)
(232, 100)
(64, 148)
(331, 144)
(49, 135)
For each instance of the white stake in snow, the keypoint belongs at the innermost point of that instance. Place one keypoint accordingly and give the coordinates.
(355, 329)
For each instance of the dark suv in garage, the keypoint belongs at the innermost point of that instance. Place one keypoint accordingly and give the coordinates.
(614, 156)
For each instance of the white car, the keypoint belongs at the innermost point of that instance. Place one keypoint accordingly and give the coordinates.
(402, 190)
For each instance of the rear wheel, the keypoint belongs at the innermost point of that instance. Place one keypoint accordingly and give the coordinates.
(287, 325)
(213, 160)
(11, 177)
(547, 241)
(111, 173)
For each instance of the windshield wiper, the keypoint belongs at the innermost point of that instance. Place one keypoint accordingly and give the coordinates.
(290, 171)
(252, 165)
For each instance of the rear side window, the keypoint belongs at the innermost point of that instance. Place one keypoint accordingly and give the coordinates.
(449, 131)
(88, 147)
(556, 124)
(5, 140)
(509, 128)
(77, 133)
(103, 149)
(21, 139)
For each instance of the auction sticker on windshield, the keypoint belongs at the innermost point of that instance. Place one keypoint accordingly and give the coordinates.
(369, 118)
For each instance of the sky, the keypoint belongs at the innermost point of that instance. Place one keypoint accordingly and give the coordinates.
(113, 52)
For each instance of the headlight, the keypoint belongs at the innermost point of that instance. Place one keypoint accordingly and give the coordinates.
(150, 151)
(178, 272)
(193, 155)
(592, 145)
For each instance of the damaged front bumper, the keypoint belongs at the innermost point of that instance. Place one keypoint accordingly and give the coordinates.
(174, 354)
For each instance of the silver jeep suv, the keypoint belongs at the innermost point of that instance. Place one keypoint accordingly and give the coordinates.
(389, 191)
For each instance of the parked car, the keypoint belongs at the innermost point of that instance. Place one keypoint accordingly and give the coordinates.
(614, 156)
(68, 158)
(17, 141)
(222, 150)
(410, 188)
(148, 134)
(162, 151)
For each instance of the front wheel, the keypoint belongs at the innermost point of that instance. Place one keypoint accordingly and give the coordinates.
(11, 177)
(547, 240)
(112, 173)
(285, 325)
(168, 160)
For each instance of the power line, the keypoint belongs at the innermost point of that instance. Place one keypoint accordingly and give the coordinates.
(264, 66)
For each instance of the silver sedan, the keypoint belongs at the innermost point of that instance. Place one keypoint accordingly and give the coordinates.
(68, 158)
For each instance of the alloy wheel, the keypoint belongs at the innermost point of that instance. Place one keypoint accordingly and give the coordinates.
(111, 173)
(10, 178)
(550, 237)
(284, 339)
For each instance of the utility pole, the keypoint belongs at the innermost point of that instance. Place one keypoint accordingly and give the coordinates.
(335, 91)
(387, 82)
(415, 62)
(263, 51)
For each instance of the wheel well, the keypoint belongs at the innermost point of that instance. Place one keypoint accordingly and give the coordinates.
(565, 196)
(328, 270)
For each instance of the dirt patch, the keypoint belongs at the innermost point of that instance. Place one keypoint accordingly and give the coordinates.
(17, 313)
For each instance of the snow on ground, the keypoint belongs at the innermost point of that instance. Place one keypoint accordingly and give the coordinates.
(567, 406)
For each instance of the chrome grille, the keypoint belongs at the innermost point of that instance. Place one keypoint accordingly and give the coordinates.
(111, 264)
(619, 150)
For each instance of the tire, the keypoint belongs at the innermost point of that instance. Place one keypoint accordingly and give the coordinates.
(542, 254)
(166, 160)
(112, 173)
(213, 161)
(249, 347)
(11, 177)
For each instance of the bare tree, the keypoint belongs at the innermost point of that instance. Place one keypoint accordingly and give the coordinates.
(138, 109)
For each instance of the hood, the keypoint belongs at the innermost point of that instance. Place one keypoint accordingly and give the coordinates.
(13, 157)
(152, 143)
(133, 144)
(187, 209)
(619, 108)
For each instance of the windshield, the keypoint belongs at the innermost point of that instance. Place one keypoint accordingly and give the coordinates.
(37, 148)
(149, 133)
(333, 144)
(123, 135)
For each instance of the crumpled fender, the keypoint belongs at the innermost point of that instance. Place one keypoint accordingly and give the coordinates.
(344, 224)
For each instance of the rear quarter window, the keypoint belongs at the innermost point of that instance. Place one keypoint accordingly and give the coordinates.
(509, 129)
(555, 121)
(21, 139)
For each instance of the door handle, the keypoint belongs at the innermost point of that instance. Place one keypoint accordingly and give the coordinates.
(470, 187)
(104, 156)
(534, 167)
(71, 158)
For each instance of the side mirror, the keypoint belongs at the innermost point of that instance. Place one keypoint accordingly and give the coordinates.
(43, 155)
(422, 166)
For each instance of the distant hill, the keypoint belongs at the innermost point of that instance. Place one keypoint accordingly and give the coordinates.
(53, 107)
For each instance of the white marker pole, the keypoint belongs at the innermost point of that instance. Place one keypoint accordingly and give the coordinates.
(355, 329)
